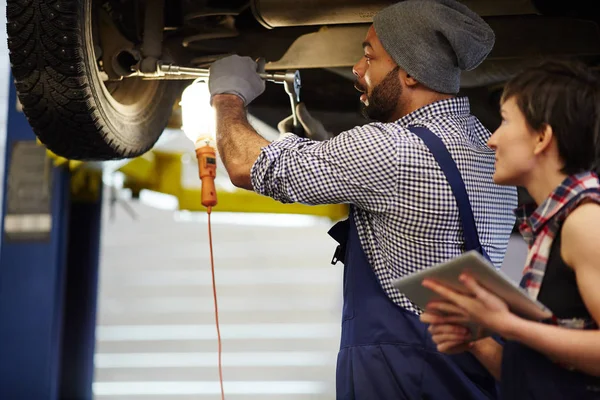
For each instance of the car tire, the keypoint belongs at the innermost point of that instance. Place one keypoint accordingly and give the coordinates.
(71, 110)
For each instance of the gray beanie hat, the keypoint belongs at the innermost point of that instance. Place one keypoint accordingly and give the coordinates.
(433, 40)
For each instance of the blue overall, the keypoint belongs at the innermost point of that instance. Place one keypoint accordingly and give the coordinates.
(386, 353)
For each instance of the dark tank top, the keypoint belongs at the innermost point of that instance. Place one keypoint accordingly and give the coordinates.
(559, 290)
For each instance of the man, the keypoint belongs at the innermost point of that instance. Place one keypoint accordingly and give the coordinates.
(404, 216)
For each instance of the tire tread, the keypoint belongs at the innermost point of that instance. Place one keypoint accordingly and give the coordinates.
(47, 63)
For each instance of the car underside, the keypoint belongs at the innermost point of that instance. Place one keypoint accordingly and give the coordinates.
(86, 69)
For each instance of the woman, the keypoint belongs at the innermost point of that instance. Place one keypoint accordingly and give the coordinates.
(547, 144)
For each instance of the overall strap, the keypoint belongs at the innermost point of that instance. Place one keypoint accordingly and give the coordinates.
(449, 168)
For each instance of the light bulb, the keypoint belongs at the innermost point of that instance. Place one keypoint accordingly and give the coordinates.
(198, 117)
(198, 120)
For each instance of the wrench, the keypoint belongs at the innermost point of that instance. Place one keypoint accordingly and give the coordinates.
(292, 84)
(290, 79)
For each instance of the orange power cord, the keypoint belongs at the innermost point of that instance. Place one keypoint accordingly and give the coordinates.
(207, 167)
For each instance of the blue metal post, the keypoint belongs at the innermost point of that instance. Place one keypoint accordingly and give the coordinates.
(78, 344)
(48, 279)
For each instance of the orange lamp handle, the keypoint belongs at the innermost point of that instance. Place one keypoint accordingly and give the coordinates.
(207, 165)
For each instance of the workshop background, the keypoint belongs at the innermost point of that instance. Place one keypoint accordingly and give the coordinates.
(279, 297)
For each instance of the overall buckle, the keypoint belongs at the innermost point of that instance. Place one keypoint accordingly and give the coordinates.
(339, 254)
(339, 232)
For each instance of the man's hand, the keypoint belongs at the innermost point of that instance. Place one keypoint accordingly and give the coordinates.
(236, 75)
(313, 128)
(450, 339)
(445, 327)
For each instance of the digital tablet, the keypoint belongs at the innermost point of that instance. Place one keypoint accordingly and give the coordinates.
(484, 272)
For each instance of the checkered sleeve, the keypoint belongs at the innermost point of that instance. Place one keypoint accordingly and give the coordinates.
(359, 166)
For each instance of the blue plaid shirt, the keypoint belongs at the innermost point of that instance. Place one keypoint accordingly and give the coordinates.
(406, 214)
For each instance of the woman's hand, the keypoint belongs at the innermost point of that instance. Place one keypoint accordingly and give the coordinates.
(481, 306)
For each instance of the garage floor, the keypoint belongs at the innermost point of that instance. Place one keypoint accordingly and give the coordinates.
(278, 300)
(279, 307)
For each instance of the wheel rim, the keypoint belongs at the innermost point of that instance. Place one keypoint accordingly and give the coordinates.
(128, 97)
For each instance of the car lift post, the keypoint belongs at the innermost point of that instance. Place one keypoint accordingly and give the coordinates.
(49, 256)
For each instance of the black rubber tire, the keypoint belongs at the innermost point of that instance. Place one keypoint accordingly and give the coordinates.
(65, 101)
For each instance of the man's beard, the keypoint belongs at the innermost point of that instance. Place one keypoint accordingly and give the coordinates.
(383, 100)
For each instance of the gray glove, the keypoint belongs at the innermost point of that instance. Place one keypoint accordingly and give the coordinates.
(313, 128)
(236, 75)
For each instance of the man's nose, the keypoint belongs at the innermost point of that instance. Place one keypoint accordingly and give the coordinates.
(359, 70)
(492, 141)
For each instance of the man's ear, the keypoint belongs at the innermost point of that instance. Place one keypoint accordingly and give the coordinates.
(544, 139)
(409, 81)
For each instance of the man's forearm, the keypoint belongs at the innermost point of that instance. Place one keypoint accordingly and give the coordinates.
(238, 143)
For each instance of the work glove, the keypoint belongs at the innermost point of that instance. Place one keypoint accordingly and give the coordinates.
(313, 128)
(237, 75)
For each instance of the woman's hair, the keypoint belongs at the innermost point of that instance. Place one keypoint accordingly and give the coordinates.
(566, 96)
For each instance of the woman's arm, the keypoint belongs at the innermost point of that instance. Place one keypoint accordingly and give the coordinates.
(577, 348)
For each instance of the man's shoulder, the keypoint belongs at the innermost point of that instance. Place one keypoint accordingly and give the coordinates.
(381, 127)
(390, 130)
(374, 132)
(458, 131)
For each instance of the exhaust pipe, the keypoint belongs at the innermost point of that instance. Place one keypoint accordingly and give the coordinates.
(285, 13)
(282, 13)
